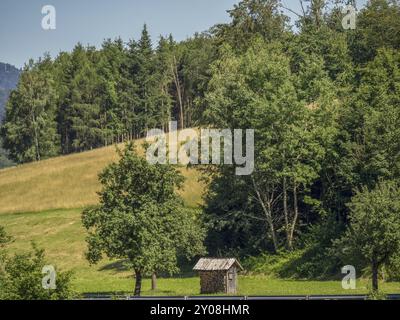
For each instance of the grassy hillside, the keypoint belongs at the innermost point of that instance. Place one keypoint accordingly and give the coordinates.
(68, 182)
(42, 203)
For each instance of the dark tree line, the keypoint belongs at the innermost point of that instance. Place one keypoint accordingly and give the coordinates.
(92, 98)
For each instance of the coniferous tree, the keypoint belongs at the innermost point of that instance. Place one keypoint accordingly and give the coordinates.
(146, 81)
(85, 113)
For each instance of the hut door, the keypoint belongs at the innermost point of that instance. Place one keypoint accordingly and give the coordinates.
(231, 285)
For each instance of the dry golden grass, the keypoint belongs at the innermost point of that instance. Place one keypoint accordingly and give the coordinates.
(69, 182)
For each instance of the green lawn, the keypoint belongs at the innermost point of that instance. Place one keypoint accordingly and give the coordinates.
(61, 234)
(248, 286)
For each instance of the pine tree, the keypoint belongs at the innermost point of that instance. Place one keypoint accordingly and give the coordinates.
(145, 78)
(85, 110)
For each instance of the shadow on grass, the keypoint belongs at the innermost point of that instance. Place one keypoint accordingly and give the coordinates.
(116, 294)
(106, 293)
(119, 266)
(311, 266)
(123, 266)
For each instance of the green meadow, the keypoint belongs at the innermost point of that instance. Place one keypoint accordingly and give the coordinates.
(61, 234)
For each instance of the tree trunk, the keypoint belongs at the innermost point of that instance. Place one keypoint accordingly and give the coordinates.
(178, 91)
(286, 214)
(268, 215)
(272, 228)
(295, 218)
(375, 273)
(36, 138)
(138, 283)
(154, 281)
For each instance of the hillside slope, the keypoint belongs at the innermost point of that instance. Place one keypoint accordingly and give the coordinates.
(68, 182)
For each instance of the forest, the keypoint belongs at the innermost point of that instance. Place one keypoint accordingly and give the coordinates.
(8, 81)
(324, 103)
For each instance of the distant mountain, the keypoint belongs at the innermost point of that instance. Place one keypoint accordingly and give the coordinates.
(9, 76)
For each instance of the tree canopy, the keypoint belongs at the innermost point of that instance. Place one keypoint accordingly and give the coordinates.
(141, 218)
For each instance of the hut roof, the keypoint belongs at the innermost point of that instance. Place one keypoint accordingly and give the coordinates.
(210, 264)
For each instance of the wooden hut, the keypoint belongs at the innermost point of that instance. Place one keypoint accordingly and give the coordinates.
(218, 275)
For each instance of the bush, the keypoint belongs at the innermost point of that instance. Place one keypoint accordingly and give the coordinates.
(21, 278)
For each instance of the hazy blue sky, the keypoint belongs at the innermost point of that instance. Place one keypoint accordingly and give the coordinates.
(91, 21)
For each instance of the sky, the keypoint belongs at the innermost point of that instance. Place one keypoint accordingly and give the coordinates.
(91, 21)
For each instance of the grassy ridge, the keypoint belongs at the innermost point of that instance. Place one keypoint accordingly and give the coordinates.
(69, 182)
